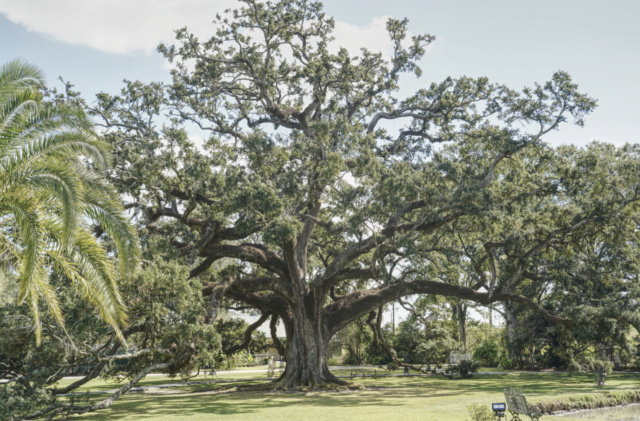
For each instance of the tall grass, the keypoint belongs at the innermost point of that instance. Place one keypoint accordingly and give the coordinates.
(590, 401)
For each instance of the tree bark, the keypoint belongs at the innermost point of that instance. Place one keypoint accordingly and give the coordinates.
(510, 322)
(461, 310)
(306, 350)
(602, 375)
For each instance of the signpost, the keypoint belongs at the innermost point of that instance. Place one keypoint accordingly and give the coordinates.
(498, 409)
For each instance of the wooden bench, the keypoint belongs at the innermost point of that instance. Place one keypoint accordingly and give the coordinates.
(517, 405)
(364, 373)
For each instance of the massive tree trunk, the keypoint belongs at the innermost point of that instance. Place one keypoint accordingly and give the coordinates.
(306, 350)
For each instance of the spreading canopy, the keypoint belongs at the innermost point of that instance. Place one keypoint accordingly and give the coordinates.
(327, 195)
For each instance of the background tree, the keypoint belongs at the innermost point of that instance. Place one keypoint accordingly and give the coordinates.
(167, 333)
(356, 341)
(594, 278)
(328, 212)
(51, 186)
(421, 344)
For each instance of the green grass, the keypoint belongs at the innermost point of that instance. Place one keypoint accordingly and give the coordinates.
(388, 399)
(99, 384)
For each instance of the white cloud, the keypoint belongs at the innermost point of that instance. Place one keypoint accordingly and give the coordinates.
(132, 26)
(114, 26)
(373, 37)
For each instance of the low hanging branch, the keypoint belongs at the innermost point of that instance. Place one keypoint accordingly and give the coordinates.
(110, 358)
(360, 302)
(102, 363)
(247, 335)
(66, 409)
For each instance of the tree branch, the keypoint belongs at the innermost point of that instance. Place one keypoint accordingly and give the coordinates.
(247, 335)
(359, 303)
(253, 253)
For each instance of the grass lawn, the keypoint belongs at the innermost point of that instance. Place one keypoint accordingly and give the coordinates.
(392, 398)
(99, 384)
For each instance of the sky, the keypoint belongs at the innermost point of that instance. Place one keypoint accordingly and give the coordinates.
(96, 44)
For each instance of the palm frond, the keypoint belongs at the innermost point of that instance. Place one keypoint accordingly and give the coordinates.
(47, 195)
(19, 74)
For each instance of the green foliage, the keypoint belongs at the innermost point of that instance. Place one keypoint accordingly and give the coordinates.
(479, 333)
(487, 354)
(171, 308)
(590, 401)
(166, 326)
(18, 400)
(393, 365)
(238, 359)
(479, 412)
(31, 368)
(588, 361)
(333, 362)
(465, 368)
(300, 181)
(232, 331)
(430, 343)
(357, 341)
(537, 343)
(505, 363)
(51, 186)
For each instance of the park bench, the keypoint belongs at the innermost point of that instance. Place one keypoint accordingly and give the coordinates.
(364, 373)
(517, 405)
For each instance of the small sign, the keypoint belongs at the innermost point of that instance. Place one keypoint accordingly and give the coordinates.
(498, 407)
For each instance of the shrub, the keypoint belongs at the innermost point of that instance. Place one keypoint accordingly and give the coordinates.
(353, 358)
(393, 365)
(333, 361)
(480, 413)
(505, 362)
(590, 401)
(466, 369)
(487, 354)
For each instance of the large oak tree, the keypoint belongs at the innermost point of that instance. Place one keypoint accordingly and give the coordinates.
(327, 195)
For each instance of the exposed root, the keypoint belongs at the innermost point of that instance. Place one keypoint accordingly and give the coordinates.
(287, 386)
(273, 387)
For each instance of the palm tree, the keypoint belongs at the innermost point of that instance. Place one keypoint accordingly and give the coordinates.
(51, 191)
